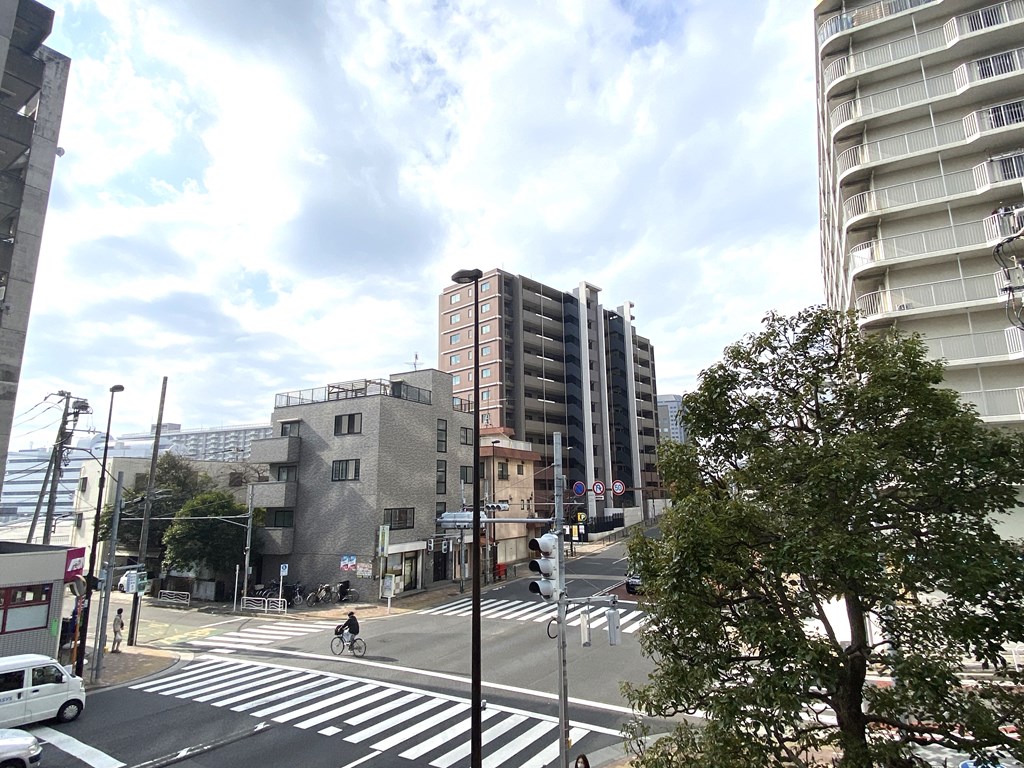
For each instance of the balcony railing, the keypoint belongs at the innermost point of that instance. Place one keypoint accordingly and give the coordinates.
(1004, 63)
(983, 18)
(860, 16)
(937, 294)
(893, 98)
(1007, 167)
(970, 346)
(999, 226)
(971, 234)
(904, 48)
(996, 402)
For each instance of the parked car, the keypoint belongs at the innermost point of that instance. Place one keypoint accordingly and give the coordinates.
(35, 688)
(18, 748)
(633, 585)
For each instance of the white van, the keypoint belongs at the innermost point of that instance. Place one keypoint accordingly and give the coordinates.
(35, 687)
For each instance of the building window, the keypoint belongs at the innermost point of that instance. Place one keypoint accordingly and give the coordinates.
(440, 508)
(466, 474)
(235, 480)
(466, 435)
(485, 395)
(289, 429)
(503, 470)
(485, 307)
(485, 373)
(83, 484)
(348, 423)
(485, 329)
(345, 469)
(454, 338)
(455, 298)
(400, 517)
(519, 469)
(24, 608)
(454, 360)
(485, 286)
(287, 474)
(485, 350)
(442, 435)
(280, 518)
(454, 319)
(456, 379)
(442, 477)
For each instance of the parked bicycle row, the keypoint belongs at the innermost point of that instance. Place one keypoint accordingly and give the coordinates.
(295, 594)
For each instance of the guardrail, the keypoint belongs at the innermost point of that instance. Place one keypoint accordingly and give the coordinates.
(176, 598)
(264, 605)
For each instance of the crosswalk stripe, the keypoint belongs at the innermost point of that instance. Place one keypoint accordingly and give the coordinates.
(550, 753)
(300, 699)
(630, 620)
(298, 688)
(383, 708)
(490, 734)
(178, 680)
(155, 685)
(391, 722)
(349, 705)
(201, 686)
(500, 756)
(417, 728)
(445, 736)
(231, 639)
(316, 706)
(213, 691)
(245, 690)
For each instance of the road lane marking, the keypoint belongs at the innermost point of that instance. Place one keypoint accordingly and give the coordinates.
(75, 748)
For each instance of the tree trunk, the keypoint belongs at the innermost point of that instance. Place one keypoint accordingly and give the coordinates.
(849, 707)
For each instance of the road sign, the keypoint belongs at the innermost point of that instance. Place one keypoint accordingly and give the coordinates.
(579, 487)
(618, 487)
(598, 487)
(284, 569)
(582, 517)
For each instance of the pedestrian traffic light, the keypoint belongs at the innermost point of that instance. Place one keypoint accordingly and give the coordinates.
(549, 546)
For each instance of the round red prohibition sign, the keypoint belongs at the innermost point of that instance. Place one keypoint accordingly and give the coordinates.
(598, 487)
(618, 487)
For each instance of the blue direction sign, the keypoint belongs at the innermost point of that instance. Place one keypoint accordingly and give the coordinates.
(579, 488)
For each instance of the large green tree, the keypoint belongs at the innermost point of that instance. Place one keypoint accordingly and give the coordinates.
(830, 469)
(198, 539)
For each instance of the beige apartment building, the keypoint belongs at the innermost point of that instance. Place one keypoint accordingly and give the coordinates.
(921, 150)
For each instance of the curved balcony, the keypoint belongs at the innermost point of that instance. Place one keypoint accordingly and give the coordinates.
(1008, 167)
(904, 48)
(982, 19)
(937, 294)
(1007, 343)
(972, 234)
(969, 128)
(996, 403)
(867, 14)
(1004, 63)
(1000, 226)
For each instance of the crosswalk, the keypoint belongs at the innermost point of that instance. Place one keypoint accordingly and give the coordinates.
(415, 724)
(263, 634)
(631, 619)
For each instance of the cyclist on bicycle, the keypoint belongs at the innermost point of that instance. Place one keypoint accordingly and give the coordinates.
(350, 629)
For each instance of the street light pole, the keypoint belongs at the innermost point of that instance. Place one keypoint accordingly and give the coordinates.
(466, 276)
(83, 623)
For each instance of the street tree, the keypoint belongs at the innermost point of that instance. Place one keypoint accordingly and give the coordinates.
(207, 533)
(831, 560)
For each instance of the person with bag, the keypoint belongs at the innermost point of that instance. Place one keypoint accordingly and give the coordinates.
(349, 629)
(115, 647)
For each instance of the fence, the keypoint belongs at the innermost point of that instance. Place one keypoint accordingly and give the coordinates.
(264, 604)
(175, 598)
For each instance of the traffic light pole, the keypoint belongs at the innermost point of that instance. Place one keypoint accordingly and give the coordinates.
(563, 688)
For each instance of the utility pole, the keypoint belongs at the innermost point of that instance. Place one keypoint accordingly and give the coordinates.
(563, 688)
(248, 543)
(101, 630)
(58, 461)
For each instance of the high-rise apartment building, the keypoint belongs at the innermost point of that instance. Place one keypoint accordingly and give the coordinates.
(669, 426)
(31, 104)
(228, 443)
(921, 150)
(553, 361)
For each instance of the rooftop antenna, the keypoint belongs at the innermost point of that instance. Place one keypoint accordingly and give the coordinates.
(415, 361)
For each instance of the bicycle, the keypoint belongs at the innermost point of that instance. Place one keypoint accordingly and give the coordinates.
(318, 595)
(355, 645)
(342, 592)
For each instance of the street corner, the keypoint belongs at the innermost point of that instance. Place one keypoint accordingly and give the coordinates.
(132, 663)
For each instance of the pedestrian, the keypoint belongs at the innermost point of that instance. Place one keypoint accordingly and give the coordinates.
(582, 762)
(115, 647)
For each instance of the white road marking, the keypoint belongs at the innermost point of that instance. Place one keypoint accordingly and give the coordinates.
(89, 755)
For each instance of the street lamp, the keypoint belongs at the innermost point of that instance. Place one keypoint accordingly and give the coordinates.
(464, 277)
(83, 620)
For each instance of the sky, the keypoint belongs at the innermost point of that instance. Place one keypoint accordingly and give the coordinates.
(259, 196)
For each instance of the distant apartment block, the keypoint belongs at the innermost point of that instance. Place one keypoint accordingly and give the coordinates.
(31, 105)
(556, 361)
(352, 458)
(669, 426)
(228, 443)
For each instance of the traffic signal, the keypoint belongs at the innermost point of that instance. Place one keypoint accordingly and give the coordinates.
(547, 565)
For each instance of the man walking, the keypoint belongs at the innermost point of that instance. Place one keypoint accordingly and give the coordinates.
(115, 647)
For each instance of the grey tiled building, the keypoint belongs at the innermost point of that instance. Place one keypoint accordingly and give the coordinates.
(349, 458)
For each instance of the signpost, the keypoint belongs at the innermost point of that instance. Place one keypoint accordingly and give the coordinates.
(598, 488)
(280, 582)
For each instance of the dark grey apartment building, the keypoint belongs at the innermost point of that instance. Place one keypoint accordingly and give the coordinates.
(31, 104)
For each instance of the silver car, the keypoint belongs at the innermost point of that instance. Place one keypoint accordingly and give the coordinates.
(18, 749)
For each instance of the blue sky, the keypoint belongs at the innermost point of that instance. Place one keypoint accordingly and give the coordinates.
(265, 195)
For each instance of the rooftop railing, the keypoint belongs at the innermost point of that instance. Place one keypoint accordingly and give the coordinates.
(935, 294)
(353, 389)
